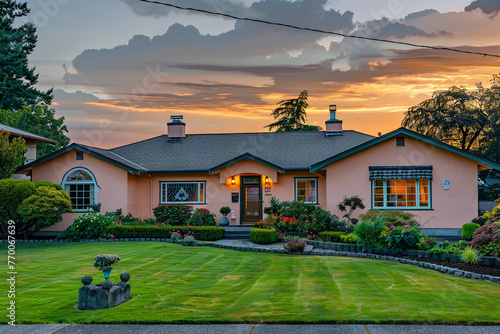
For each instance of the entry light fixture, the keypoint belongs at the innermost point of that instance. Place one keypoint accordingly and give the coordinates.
(266, 180)
(233, 181)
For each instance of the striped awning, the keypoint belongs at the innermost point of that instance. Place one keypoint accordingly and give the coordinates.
(400, 172)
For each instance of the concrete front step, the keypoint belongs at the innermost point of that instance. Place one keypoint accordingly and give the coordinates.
(237, 232)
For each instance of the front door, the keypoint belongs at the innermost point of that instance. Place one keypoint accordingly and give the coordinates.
(251, 194)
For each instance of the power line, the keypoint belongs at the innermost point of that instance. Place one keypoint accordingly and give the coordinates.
(320, 31)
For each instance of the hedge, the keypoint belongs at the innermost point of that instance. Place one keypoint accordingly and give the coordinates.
(332, 236)
(263, 236)
(468, 230)
(203, 233)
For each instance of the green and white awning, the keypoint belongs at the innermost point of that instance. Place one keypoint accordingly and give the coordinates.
(400, 172)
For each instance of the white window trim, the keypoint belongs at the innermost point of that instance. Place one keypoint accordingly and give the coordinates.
(200, 200)
(93, 181)
(315, 190)
(416, 207)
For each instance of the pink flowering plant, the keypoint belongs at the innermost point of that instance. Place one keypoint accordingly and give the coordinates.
(173, 214)
(202, 217)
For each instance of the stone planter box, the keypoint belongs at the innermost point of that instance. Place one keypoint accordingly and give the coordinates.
(454, 258)
(445, 257)
(436, 256)
(488, 260)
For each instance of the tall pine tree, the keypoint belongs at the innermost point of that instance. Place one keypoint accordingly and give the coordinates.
(17, 79)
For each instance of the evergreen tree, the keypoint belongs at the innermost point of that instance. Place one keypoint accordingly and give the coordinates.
(291, 115)
(17, 79)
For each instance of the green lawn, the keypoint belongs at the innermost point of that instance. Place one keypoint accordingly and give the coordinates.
(172, 283)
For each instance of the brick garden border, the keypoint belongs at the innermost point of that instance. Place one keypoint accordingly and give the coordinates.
(323, 252)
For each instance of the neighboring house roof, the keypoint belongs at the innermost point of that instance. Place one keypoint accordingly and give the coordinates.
(284, 151)
(25, 134)
(409, 133)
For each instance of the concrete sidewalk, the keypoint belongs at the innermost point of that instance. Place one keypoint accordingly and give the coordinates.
(248, 329)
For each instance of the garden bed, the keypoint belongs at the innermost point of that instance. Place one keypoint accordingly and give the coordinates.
(473, 268)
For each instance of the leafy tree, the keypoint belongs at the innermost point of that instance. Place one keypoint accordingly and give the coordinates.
(43, 209)
(12, 194)
(458, 116)
(40, 120)
(291, 115)
(17, 79)
(11, 154)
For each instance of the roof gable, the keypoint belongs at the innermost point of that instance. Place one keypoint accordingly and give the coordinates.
(409, 133)
(246, 156)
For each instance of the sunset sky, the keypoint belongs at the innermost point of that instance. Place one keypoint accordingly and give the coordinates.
(121, 68)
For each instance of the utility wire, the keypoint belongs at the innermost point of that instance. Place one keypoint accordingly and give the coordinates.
(319, 30)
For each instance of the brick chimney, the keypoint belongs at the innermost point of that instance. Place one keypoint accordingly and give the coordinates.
(333, 126)
(176, 129)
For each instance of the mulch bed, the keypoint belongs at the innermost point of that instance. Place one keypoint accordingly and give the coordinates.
(474, 268)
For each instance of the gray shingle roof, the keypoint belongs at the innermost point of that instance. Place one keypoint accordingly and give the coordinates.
(25, 134)
(202, 152)
(115, 157)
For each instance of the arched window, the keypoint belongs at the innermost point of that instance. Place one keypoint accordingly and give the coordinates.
(82, 188)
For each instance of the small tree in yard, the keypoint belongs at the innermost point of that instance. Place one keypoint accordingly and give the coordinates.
(31, 206)
(348, 205)
(11, 154)
(43, 209)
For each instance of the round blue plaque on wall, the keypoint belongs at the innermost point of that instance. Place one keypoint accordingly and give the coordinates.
(446, 184)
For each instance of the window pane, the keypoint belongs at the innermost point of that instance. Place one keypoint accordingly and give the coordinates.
(306, 191)
(401, 193)
(183, 192)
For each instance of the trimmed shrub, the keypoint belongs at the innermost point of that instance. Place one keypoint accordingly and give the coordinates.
(263, 236)
(295, 245)
(90, 225)
(172, 214)
(43, 183)
(12, 194)
(391, 217)
(202, 217)
(332, 236)
(44, 208)
(349, 239)
(468, 230)
(203, 233)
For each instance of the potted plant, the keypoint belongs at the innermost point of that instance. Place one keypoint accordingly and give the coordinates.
(224, 211)
(104, 262)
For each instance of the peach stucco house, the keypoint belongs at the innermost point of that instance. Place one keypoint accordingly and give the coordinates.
(399, 170)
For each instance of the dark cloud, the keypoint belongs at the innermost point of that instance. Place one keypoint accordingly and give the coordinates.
(61, 95)
(399, 30)
(420, 14)
(234, 7)
(491, 7)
